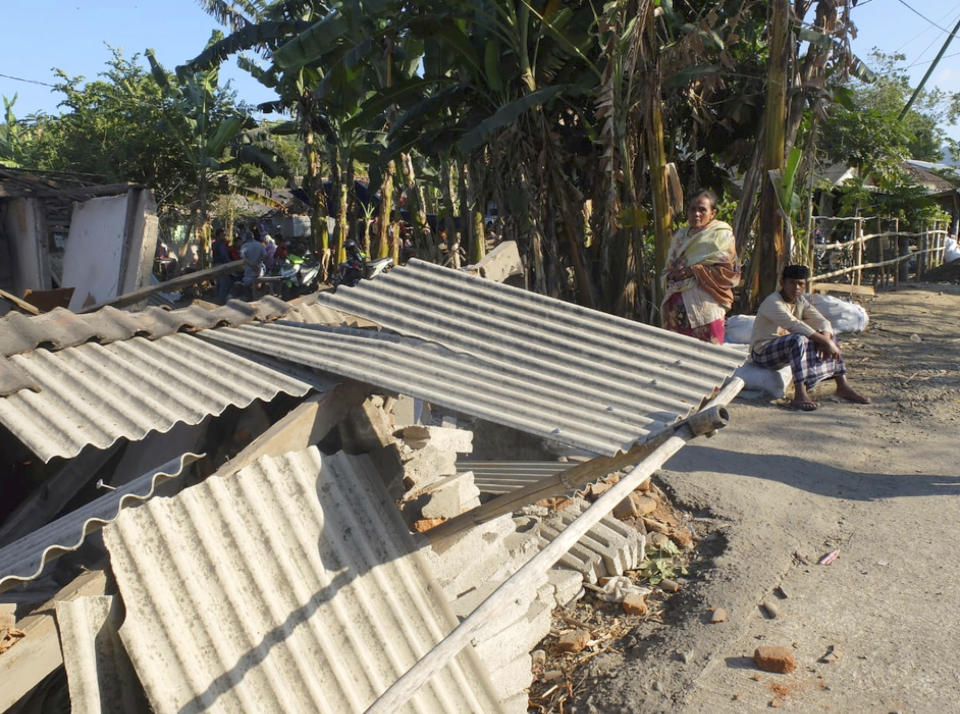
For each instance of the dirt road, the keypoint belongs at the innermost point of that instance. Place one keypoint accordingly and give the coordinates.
(880, 483)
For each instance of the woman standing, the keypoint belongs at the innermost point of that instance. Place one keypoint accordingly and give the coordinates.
(702, 270)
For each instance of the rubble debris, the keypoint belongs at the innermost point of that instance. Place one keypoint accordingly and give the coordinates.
(771, 658)
(573, 641)
(635, 604)
(451, 496)
(829, 557)
(636, 505)
(771, 609)
(831, 655)
(425, 524)
(9, 636)
(669, 586)
(718, 615)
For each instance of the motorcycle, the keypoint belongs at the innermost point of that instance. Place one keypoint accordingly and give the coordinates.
(298, 275)
(356, 267)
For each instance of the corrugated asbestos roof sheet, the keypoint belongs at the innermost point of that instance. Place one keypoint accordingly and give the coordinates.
(293, 586)
(24, 559)
(557, 370)
(99, 673)
(497, 477)
(60, 328)
(94, 394)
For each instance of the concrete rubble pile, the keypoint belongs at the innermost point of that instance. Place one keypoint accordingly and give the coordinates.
(415, 466)
(283, 529)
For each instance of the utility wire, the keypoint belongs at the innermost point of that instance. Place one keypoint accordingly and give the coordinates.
(920, 64)
(31, 81)
(924, 17)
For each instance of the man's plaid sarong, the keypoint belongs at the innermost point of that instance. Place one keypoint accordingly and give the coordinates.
(800, 353)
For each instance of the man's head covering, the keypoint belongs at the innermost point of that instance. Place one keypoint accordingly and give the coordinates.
(796, 272)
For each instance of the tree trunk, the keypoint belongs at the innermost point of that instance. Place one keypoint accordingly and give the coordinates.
(656, 159)
(340, 193)
(318, 198)
(472, 217)
(386, 208)
(423, 237)
(770, 249)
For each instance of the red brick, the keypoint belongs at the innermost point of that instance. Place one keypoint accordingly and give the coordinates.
(634, 604)
(774, 659)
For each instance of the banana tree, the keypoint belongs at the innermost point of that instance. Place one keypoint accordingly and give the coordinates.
(206, 126)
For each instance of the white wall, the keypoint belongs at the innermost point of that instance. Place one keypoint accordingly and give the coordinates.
(110, 248)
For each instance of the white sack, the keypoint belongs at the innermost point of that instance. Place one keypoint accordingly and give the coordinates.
(951, 251)
(770, 381)
(738, 329)
(844, 316)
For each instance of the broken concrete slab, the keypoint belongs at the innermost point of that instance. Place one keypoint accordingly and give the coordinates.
(367, 427)
(478, 555)
(451, 496)
(567, 584)
(426, 466)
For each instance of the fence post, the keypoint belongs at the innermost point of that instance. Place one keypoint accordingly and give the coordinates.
(858, 251)
(880, 241)
(903, 250)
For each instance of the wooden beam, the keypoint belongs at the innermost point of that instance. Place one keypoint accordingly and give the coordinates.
(304, 426)
(22, 304)
(864, 290)
(181, 281)
(25, 665)
(399, 693)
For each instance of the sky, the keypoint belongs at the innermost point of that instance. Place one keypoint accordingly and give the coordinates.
(73, 36)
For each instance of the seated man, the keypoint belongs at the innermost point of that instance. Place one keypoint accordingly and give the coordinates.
(789, 330)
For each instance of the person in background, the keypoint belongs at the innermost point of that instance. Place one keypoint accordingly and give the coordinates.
(702, 270)
(252, 253)
(221, 256)
(790, 331)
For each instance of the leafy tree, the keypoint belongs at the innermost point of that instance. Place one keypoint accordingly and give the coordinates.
(865, 130)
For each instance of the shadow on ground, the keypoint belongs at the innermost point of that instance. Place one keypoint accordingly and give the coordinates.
(814, 477)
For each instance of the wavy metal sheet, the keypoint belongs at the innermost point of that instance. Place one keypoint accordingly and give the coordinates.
(61, 328)
(553, 369)
(498, 477)
(292, 586)
(94, 394)
(24, 559)
(99, 674)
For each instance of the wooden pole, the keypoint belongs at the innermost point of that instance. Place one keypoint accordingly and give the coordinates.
(883, 268)
(858, 251)
(178, 282)
(901, 259)
(399, 693)
(903, 250)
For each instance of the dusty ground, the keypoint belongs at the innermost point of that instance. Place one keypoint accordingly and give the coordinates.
(879, 483)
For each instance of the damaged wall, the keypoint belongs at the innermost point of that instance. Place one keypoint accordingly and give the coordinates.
(110, 248)
(23, 225)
